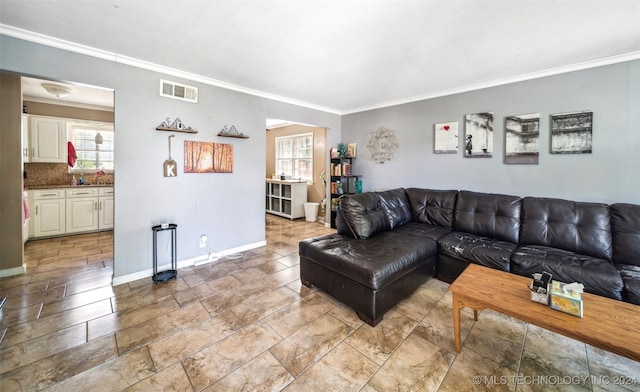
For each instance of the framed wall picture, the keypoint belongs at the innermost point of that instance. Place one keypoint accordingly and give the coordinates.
(478, 135)
(522, 139)
(445, 138)
(206, 157)
(351, 150)
(572, 133)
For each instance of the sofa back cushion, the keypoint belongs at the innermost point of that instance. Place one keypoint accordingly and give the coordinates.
(396, 207)
(579, 227)
(625, 228)
(434, 207)
(488, 215)
(362, 214)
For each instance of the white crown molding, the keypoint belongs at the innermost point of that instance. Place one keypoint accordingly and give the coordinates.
(65, 103)
(120, 59)
(110, 56)
(631, 56)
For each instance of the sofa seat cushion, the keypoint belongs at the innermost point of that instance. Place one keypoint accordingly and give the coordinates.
(374, 263)
(485, 251)
(597, 275)
(631, 278)
(422, 230)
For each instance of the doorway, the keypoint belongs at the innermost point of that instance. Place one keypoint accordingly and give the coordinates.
(83, 116)
(294, 162)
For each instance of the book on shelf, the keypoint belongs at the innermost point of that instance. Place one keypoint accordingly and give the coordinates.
(340, 169)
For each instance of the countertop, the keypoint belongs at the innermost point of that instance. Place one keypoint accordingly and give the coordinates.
(68, 186)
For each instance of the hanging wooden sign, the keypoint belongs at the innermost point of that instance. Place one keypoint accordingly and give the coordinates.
(170, 167)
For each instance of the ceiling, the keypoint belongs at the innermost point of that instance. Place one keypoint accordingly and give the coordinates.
(342, 56)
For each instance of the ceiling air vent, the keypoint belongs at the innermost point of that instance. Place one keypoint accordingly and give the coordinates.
(178, 91)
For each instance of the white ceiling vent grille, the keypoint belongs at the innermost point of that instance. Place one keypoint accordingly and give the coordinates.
(178, 91)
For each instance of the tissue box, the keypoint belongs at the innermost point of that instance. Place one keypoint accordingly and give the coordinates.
(568, 301)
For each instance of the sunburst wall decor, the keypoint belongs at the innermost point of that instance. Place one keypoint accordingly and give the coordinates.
(383, 145)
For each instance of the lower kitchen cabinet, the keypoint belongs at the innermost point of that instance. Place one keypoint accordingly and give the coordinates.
(48, 212)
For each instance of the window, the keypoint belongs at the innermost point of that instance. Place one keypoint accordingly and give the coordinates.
(91, 155)
(294, 156)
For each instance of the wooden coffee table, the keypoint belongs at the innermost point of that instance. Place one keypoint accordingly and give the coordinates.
(607, 323)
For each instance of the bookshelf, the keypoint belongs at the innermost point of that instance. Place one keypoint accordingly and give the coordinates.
(343, 182)
(286, 198)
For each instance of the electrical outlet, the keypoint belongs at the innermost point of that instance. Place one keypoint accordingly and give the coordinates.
(203, 241)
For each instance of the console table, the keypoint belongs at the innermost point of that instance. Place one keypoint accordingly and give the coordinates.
(608, 324)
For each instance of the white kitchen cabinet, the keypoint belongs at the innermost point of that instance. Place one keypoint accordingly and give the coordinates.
(49, 215)
(47, 139)
(81, 210)
(105, 208)
(26, 156)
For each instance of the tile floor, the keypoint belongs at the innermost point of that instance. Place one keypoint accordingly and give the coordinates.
(248, 324)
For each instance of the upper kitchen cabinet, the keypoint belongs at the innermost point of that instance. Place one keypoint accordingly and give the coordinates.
(47, 139)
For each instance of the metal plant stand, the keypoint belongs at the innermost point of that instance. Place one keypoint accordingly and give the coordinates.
(163, 276)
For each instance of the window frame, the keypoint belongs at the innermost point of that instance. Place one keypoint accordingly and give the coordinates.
(293, 159)
(105, 129)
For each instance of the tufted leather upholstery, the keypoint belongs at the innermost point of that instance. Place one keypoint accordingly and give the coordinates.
(396, 207)
(583, 228)
(488, 215)
(388, 243)
(597, 275)
(625, 229)
(363, 215)
(434, 207)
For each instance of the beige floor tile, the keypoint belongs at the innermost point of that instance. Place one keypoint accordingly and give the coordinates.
(417, 365)
(309, 344)
(113, 375)
(472, 372)
(263, 373)
(227, 298)
(213, 363)
(189, 341)
(151, 330)
(611, 372)
(498, 338)
(379, 342)
(33, 329)
(264, 305)
(423, 299)
(437, 326)
(61, 366)
(77, 300)
(35, 349)
(298, 314)
(171, 379)
(342, 369)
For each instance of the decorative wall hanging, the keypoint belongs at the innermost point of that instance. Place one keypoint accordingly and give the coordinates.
(206, 157)
(383, 145)
(351, 150)
(571, 133)
(232, 132)
(446, 138)
(522, 139)
(478, 135)
(174, 126)
(170, 167)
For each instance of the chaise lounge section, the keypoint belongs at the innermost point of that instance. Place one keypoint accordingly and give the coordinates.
(388, 243)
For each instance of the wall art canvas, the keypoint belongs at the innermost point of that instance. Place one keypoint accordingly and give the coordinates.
(206, 157)
(478, 135)
(522, 139)
(571, 133)
(445, 138)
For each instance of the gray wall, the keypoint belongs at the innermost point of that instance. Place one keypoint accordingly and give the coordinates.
(609, 174)
(229, 208)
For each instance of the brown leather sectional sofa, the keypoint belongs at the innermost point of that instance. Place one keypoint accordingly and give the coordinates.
(388, 243)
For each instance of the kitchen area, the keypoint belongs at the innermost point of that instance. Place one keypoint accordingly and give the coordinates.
(67, 159)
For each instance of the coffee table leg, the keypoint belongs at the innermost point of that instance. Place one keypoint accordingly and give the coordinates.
(456, 321)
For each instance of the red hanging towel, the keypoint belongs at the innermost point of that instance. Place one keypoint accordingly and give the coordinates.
(71, 154)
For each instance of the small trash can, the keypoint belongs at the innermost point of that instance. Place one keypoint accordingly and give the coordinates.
(311, 211)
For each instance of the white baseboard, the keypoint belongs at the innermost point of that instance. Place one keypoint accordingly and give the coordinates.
(198, 260)
(13, 271)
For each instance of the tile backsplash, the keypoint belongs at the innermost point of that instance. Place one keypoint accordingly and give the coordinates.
(42, 174)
